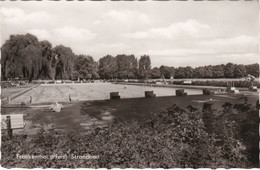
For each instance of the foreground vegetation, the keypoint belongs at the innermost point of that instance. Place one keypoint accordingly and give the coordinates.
(174, 138)
(25, 57)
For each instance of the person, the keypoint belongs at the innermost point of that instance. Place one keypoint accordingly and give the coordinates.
(250, 78)
(56, 107)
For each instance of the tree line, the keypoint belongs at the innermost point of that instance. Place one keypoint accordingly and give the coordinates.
(26, 57)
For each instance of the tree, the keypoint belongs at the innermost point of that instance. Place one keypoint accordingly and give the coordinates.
(180, 72)
(32, 61)
(25, 57)
(189, 72)
(199, 72)
(239, 71)
(208, 71)
(167, 72)
(85, 67)
(184, 72)
(46, 52)
(127, 66)
(229, 70)
(218, 71)
(107, 67)
(155, 73)
(144, 68)
(21, 57)
(253, 69)
(62, 62)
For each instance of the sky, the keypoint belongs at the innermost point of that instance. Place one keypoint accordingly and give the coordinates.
(172, 33)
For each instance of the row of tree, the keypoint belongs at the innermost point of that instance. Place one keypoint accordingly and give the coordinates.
(228, 70)
(25, 57)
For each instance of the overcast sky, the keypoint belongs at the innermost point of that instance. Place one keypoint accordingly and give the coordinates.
(174, 33)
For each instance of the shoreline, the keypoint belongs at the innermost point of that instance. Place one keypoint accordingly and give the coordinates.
(179, 86)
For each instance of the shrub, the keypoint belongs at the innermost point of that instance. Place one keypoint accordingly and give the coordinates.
(175, 138)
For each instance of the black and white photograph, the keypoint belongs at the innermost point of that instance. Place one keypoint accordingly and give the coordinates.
(129, 84)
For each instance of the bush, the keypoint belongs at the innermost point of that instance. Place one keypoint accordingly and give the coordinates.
(175, 138)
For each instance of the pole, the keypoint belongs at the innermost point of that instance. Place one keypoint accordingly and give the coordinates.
(9, 130)
(110, 127)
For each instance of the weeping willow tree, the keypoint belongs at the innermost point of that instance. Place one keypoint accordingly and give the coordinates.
(47, 55)
(21, 57)
(25, 57)
(62, 62)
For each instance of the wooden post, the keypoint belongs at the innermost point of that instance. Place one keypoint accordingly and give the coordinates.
(109, 127)
(30, 99)
(69, 98)
(9, 130)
